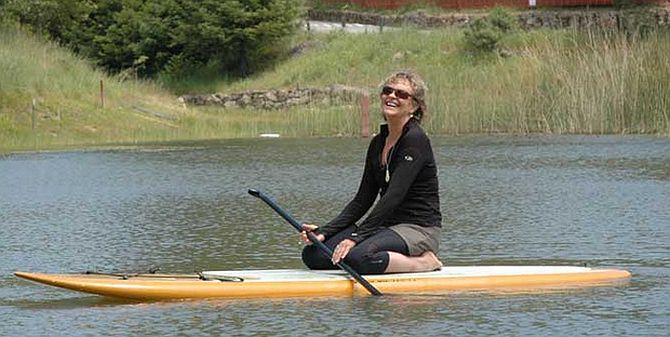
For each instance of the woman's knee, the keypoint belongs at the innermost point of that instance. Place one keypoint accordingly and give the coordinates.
(313, 258)
(368, 263)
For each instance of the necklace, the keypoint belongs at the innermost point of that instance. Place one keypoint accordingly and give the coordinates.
(387, 161)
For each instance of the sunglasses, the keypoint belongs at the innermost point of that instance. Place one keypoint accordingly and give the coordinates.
(402, 94)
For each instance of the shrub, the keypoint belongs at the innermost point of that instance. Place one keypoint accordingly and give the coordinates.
(622, 3)
(484, 34)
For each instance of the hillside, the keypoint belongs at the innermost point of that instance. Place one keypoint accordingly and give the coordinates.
(51, 98)
(555, 81)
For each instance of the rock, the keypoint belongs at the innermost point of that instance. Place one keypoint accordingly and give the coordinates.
(545, 18)
(278, 99)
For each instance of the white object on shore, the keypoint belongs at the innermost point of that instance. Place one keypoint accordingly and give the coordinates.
(269, 135)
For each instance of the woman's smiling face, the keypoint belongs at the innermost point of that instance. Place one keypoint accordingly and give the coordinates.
(397, 101)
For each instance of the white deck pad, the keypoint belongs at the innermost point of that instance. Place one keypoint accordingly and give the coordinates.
(302, 274)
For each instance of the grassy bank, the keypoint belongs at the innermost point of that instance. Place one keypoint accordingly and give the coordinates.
(551, 81)
(50, 99)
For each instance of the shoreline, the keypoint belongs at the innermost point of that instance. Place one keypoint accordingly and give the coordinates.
(190, 144)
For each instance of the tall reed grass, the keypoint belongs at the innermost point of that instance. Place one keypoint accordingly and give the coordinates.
(550, 81)
(594, 83)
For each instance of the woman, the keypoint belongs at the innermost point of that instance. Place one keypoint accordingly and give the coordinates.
(401, 233)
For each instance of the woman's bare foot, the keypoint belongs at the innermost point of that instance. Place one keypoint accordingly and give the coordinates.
(399, 263)
(431, 260)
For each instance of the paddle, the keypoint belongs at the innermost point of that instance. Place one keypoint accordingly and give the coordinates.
(312, 237)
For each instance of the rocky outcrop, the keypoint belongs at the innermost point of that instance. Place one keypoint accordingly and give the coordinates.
(601, 18)
(277, 98)
(418, 19)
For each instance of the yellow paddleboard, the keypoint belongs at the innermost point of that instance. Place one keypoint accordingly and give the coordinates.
(294, 282)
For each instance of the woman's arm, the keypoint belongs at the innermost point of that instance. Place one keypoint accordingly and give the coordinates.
(362, 201)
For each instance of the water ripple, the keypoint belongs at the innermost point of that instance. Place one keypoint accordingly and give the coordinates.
(558, 200)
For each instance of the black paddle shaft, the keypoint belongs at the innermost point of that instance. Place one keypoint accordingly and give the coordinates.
(313, 238)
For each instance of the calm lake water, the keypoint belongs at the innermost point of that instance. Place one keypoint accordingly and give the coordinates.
(604, 201)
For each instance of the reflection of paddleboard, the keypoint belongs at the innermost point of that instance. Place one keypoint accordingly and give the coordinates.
(295, 282)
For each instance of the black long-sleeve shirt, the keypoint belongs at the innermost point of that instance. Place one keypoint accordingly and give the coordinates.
(411, 195)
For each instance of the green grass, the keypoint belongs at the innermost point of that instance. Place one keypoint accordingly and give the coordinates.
(45, 86)
(554, 81)
(68, 112)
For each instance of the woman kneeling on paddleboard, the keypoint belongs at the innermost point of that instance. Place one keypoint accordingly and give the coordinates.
(402, 231)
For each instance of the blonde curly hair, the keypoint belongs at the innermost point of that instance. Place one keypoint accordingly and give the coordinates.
(419, 89)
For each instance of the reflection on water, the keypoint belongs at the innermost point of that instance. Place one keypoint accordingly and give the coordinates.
(184, 207)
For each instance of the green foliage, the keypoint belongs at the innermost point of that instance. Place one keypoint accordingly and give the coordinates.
(484, 34)
(503, 20)
(622, 3)
(149, 37)
(7, 125)
(56, 18)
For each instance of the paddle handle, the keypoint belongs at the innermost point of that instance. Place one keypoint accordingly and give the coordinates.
(284, 214)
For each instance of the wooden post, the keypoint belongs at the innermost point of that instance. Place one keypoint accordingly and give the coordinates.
(365, 115)
(32, 114)
(33, 117)
(102, 95)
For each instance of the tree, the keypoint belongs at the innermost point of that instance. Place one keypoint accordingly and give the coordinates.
(149, 37)
(58, 19)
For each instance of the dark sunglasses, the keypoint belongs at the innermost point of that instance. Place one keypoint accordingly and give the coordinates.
(398, 93)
